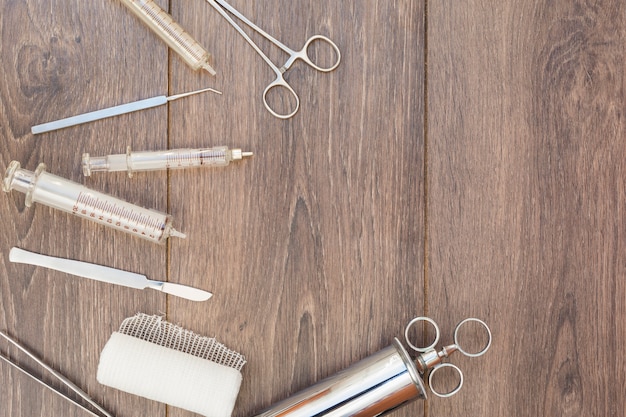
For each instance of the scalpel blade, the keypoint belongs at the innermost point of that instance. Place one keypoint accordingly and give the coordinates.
(190, 293)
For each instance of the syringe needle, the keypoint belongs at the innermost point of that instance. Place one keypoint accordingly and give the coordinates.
(176, 233)
(112, 111)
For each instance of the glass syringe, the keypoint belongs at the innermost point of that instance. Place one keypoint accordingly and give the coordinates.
(166, 28)
(161, 160)
(70, 197)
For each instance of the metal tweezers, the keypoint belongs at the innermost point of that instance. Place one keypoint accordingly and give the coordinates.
(57, 375)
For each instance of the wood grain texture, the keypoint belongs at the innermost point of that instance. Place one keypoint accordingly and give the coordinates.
(313, 247)
(59, 59)
(525, 201)
(348, 221)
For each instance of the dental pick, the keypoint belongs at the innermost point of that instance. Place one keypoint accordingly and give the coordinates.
(112, 111)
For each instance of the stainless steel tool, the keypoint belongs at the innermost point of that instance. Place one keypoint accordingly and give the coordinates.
(106, 274)
(57, 375)
(383, 381)
(134, 106)
(225, 9)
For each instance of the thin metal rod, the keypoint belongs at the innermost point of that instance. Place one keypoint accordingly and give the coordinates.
(93, 116)
(191, 93)
(56, 374)
(59, 393)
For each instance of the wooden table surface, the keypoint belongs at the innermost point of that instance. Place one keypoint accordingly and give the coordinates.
(465, 159)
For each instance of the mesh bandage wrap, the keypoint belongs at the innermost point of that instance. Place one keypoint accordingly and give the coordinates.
(158, 360)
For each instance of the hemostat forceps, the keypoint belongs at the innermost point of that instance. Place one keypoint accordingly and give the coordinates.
(222, 7)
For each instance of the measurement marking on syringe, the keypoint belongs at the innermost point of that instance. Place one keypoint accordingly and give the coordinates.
(75, 199)
(97, 209)
(162, 20)
(209, 157)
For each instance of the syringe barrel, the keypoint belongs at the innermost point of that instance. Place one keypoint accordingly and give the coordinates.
(374, 386)
(161, 160)
(162, 23)
(70, 197)
(180, 158)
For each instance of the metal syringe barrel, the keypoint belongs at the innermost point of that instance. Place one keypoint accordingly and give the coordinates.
(70, 197)
(375, 385)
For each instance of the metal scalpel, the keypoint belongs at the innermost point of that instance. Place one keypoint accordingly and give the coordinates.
(106, 274)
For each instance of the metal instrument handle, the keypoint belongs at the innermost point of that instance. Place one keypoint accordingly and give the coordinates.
(458, 344)
(418, 320)
(430, 360)
(452, 392)
(280, 83)
(303, 54)
(99, 114)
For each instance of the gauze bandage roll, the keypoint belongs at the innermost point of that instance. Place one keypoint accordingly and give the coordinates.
(163, 362)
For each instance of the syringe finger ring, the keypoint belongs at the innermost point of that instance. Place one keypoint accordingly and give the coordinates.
(161, 160)
(73, 198)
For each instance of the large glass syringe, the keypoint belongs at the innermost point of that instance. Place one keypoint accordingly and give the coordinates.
(70, 197)
(161, 160)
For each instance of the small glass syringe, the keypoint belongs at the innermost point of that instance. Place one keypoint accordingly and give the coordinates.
(70, 197)
(166, 28)
(161, 160)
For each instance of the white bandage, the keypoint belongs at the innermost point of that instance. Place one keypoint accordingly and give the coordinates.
(169, 376)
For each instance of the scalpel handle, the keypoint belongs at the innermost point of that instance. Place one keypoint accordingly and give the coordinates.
(99, 114)
(81, 269)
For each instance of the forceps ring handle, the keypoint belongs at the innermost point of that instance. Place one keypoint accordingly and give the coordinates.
(304, 54)
(280, 82)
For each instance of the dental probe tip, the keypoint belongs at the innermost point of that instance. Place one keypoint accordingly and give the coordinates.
(190, 93)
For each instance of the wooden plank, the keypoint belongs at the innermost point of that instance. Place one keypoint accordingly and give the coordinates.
(62, 58)
(525, 197)
(313, 247)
